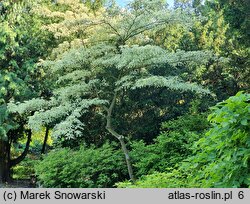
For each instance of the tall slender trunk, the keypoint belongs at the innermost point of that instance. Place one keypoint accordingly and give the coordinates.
(128, 160)
(45, 141)
(111, 130)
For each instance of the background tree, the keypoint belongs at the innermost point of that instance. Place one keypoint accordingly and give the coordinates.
(21, 44)
(212, 30)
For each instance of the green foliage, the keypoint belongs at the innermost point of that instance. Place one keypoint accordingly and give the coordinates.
(84, 168)
(88, 76)
(25, 170)
(225, 32)
(22, 43)
(170, 147)
(222, 157)
(87, 72)
(237, 15)
(102, 72)
(4, 127)
(221, 27)
(175, 179)
(94, 5)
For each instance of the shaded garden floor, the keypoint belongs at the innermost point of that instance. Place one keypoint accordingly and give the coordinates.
(18, 184)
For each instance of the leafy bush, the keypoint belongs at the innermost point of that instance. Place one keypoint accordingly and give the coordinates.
(171, 146)
(174, 179)
(85, 168)
(222, 157)
(25, 170)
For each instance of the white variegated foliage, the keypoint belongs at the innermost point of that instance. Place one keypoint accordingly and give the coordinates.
(87, 77)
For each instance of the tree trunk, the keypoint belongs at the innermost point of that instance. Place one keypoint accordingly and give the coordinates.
(45, 141)
(125, 151)
(4, 162)
(128, 160)
(120, 138)
(16, 161)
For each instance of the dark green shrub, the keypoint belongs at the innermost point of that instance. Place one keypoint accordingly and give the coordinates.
(85, 168)
(170, 147)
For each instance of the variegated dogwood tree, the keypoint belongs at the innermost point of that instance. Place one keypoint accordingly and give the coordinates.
(112, 58)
